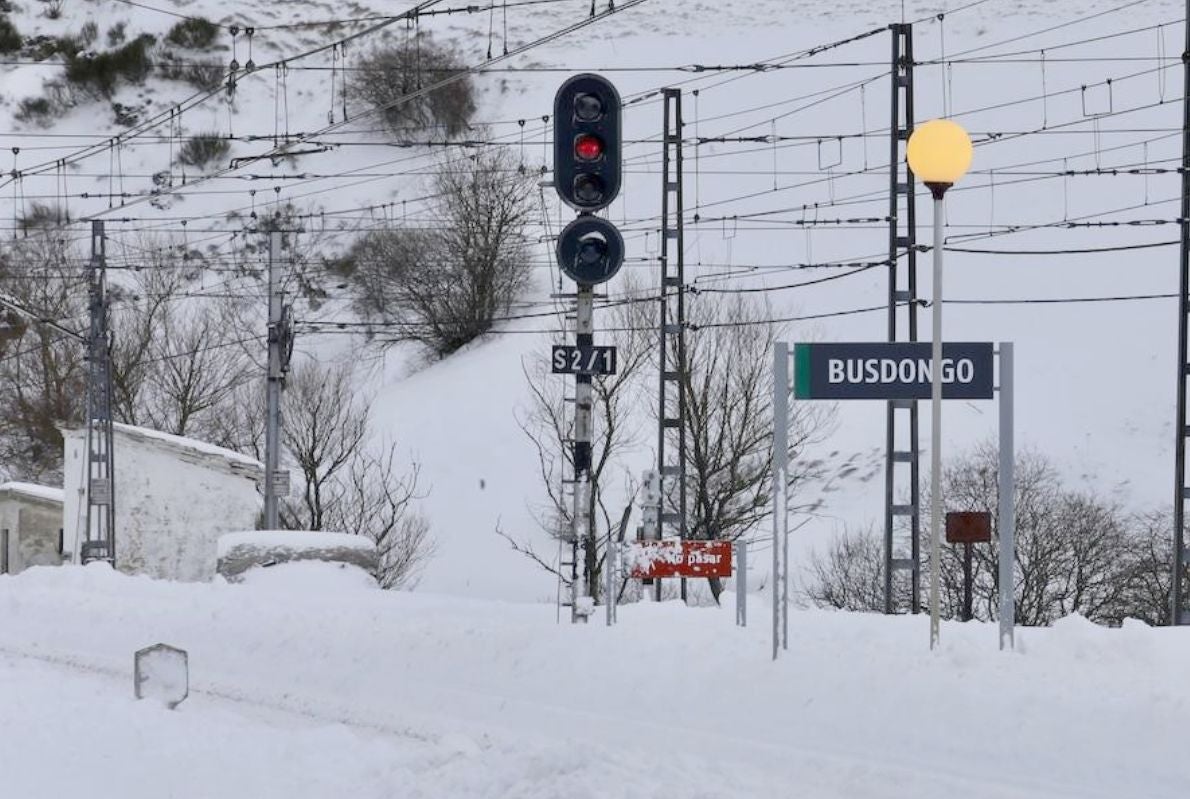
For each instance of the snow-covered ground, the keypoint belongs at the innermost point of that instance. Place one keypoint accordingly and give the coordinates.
(330, 688)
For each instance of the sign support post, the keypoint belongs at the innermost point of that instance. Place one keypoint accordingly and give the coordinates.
(902, 371)
(1007, 520)
(780, 501)
(741, 583)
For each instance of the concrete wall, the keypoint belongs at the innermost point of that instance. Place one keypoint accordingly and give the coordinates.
(171, 505)
(32, 526)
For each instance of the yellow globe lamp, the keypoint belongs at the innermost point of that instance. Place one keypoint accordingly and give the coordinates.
(939, 153)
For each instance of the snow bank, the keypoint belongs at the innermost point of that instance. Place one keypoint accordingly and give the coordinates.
(490, 699)
(239, 553)
(292, 540)
(313, 576)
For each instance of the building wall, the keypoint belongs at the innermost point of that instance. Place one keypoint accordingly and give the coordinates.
(171, 507)
(32, 526)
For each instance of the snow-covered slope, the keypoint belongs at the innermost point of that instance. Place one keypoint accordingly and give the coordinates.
(1095, 381)
(312, 692)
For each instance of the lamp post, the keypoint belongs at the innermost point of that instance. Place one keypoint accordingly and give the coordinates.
(939, 153)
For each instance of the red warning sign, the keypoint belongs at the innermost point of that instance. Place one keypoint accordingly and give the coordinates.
(656, 559)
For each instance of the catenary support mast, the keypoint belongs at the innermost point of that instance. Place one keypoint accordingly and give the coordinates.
(671, 408)
(902, 520)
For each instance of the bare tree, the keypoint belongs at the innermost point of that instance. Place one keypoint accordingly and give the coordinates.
(850, 574)
(548, 423)
(729, 421)
(325, 424)
(1074, 552)
(1147, 571)
(42, 373)
(444, 285)
(373, 500)
(346, 485)
(176, 361)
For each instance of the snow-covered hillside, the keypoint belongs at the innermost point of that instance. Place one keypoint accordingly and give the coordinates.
(327, 688)
(304, 685)
(1095, 380)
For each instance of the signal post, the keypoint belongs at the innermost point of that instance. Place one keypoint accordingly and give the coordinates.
(590, 250)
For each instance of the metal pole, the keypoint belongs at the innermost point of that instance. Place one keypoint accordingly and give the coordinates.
(936, 424)
(967, 582)
(741, 585)
(609, 581)
(4, 551)
(272, 433)
(584, 530)
(1007, 521)
(1177, 588)
(780, 483)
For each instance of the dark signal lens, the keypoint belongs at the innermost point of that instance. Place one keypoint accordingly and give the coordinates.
(588, 189)
(591, 251)
(587, 107)
(588, 147)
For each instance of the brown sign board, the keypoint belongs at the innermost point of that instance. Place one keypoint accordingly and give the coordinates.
(968, 527)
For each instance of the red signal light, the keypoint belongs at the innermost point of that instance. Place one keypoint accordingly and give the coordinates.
(588, 147)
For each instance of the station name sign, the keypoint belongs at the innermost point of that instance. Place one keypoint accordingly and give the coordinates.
(891, 371)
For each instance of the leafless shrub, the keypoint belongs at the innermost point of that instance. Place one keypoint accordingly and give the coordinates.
(346, 485)
(1075, 553)
(446, 285)
(203, 149)
(388, 80)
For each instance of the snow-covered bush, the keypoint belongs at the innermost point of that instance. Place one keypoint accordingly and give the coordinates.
(195, 33)
(205, 74)
(203, 149)
(117, 34)
(390, 73)
(37, 110)
(10, 38)
(53, 8)
(101, 73)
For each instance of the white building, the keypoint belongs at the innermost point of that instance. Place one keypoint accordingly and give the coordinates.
(30, 526)
(174, 497)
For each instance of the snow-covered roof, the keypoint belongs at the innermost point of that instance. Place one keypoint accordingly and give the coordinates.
(33, 491)
(188, 446)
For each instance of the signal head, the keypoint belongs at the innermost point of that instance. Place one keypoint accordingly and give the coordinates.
(587, 146)
(590, 250)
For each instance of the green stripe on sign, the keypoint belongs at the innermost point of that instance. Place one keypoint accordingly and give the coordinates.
(801, 371)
